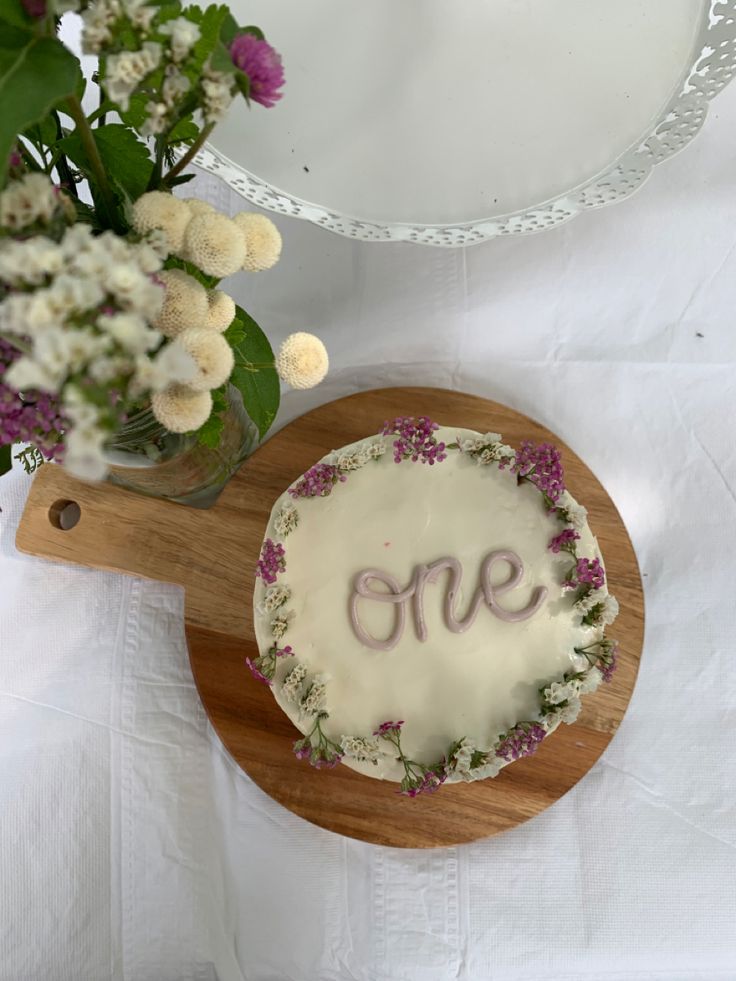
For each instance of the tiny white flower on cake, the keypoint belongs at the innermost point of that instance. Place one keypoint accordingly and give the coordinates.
(314, 699)
(576, 514)
(353, 460)
(490, 768)
(609, 612)
(464, 755)
(590, 681)
(587, 602)
(605, 609)
(293, 681)
(375, 450)
(366, 749)
(287, 519)
(560, 691)
(275, 597)
(571, 711)
(280, 624)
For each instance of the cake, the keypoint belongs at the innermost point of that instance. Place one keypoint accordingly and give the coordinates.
(430, 604)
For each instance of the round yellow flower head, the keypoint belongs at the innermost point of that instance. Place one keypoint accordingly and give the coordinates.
(185, 303)
(262, 239)
(180, 409)
(302, 360)
(215, 244)
(157, 209)
(211, 354)
(221, 310)
(198, 207)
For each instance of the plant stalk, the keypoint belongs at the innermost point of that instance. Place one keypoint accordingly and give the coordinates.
(74, 107)
(190, 154)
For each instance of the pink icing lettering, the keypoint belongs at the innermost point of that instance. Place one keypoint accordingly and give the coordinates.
(485, 592)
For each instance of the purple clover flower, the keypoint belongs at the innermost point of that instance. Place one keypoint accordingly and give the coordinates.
(522, 740)
(416, 440)
(387, 727)
(564, 541)
(258, 675)
(34, 418)
(262, 64)
(318, 481)
(271, 562)
(541, 465)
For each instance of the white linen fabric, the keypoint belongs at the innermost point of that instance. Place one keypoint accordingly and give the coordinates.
(131, 846)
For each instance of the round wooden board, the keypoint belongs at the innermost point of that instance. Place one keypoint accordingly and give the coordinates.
(260, 737)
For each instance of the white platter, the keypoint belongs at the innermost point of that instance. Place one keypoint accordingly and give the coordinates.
(448, 123)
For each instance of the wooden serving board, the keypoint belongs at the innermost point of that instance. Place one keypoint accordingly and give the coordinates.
(213, 554)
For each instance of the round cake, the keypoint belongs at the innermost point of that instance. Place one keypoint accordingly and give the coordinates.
(430, 604)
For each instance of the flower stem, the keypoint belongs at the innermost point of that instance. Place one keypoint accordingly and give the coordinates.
(107, 197)
(189, 155)
(15, 342)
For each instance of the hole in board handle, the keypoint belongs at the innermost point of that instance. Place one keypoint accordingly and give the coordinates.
(64, 515)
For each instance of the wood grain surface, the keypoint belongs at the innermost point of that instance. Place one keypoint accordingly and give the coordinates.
(212, 555)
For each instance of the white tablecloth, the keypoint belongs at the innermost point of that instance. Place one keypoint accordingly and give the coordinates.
(132, 848)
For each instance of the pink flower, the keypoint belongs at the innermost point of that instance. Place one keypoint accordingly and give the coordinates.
(386, 727)
(257, 674)
(565, 541)
(271, 562)
(258, 60)
(318, 481)
(590, 572)
(416, 440)
(522, 740)
(31, 418)
(541, 465)
(303, 749)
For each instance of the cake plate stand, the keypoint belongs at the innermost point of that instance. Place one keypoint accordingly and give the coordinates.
(212, 555)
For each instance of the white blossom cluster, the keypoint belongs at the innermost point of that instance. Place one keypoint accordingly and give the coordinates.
(462, 759)
(486, 449)
(274, 597)
(605, 608)
(365, 749)
(356, 458)
(27, 201)
(82, 311)
(573, 513)
(280, 623)
(218, 89)
(287, 519)
(314, 699)
(292, 686)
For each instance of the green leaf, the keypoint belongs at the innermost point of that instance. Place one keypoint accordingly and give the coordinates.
(32, 79)
(221, 61)
(5, 460)
(43, 133)
(126, 159)
(185, 131)
(210, 25)
(181, 179)
(258, 385)
(243, 83)
(229, 29)
(255, 31)
(210, 432)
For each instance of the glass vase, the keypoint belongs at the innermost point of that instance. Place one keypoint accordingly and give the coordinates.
(146, 458)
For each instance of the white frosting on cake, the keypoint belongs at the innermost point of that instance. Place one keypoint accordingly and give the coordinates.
(394, 517)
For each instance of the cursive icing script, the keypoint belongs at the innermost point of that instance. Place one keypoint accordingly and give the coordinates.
(486, 593)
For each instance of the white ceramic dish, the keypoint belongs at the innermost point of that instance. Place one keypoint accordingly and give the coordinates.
(448, 124)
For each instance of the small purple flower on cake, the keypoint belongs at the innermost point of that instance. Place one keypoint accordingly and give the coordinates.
(272, 561)
(522, 740)
(388, 727)
(262, 64)
(608, 665)
(565, 541)
(318, 481)
(416, 440)
(587, 572)
(430, 782)
(303, 748)
(541, 465)
(257, 674)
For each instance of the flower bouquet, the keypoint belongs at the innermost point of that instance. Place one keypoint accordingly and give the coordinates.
(114, 333)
